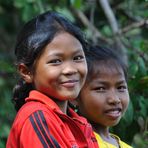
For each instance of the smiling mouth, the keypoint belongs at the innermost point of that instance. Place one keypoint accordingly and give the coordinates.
(113, 113)
(69, 83)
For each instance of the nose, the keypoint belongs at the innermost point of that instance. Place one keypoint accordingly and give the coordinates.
(113, 97)
(69, 68)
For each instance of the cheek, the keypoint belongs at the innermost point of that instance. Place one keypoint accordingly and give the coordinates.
(83, 74)
(83, 96)
(45, 78)
(92, 100)
(125, 101)
(83, 69)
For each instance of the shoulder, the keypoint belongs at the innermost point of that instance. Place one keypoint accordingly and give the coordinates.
(125, 145)
(30, 110)
(122, 143)
(99, 139)
(34, 120)
(34, 115)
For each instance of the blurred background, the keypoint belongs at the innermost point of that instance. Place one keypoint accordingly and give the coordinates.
(121, 24)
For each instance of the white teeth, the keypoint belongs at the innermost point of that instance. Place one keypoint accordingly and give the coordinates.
(114, 111)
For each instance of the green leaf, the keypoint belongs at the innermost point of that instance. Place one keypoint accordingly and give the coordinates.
(143, 107)
(142, 65)
(106, 30)
(31, 1)
(5, 130)
(2, 143)
(66, 13)
(19, 3)
(144, 81)
(133, 69)
(76, 3)
(2, 82)
(138, 141)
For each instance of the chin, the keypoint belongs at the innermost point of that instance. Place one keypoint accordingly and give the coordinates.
(68, 97)
(114, 123)
(72, 97)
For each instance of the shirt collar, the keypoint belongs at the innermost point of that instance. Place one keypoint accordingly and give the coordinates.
(35, 95)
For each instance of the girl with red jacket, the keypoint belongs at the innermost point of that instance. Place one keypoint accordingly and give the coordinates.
(52, 65)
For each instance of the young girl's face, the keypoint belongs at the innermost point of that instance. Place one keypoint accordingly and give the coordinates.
(105, 98)
(61, 70)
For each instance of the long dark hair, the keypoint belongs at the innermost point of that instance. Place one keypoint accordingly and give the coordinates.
(31, 41)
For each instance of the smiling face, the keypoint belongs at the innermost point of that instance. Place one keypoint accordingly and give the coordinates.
(104, 98)
(61, 70)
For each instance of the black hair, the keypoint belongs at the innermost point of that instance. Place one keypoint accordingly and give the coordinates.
(97, 53)
(31, 41)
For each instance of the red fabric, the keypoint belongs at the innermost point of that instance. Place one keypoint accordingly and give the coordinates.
(41, 123)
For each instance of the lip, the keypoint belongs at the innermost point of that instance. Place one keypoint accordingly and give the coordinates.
(113, 113)
(69, 83)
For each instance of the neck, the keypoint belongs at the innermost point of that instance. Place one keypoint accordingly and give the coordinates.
(101, 130)
(62, 105)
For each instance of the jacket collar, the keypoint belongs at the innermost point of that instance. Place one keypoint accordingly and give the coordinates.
(35, 95)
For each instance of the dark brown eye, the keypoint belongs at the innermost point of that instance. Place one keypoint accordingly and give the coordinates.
(79, 58)
(55, 61)
(100, 89)
(122, 88)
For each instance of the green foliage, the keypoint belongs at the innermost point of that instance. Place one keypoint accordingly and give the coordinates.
(137, 118)
(133, 128)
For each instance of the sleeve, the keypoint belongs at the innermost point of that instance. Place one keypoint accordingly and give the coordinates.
(36, 133)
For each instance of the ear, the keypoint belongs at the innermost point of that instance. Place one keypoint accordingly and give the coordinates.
(25, 73)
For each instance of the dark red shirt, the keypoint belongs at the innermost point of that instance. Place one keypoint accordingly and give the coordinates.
(40, 123)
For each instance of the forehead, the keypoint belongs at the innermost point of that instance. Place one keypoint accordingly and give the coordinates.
(65, 37)
(62, 42)
(108, 67)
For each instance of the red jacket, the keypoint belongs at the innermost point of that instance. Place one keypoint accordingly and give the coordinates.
(41, 123)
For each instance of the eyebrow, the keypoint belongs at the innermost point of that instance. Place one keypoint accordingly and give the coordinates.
(60, 53)
(121, 81)
(106, 82)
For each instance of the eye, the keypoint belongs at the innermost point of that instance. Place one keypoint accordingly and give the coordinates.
(55, 62)
(78, 58)
(122, 88)
(100, 89)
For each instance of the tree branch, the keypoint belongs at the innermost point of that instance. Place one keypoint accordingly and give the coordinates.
(128, 15)
(113, 24)
(110, 15)
(138, 51)
(133, 26)
(79, 14)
